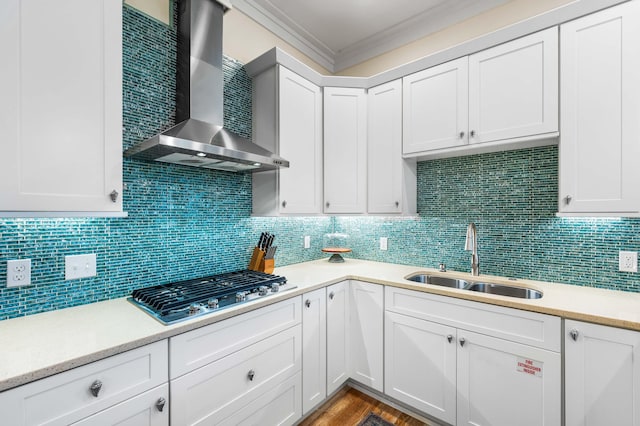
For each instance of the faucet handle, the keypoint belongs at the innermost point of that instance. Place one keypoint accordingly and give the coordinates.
(443, 267)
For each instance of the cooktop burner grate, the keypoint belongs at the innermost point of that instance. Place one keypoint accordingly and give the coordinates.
(176, 301)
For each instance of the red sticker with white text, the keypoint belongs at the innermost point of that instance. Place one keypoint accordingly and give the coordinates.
(529, 366)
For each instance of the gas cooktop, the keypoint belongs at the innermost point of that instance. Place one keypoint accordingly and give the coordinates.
(179, 301)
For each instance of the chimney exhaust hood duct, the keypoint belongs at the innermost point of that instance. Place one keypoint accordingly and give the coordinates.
(199, 140)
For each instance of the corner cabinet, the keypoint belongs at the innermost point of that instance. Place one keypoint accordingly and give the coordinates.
(599, 144)
(602, 375)
(287, 119)
(345, 150)
(61, 107)
(391, 182)
(505, 97)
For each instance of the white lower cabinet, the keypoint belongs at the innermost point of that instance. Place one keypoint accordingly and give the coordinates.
(115, 385)
(314, 349)
(366, 319)
(255, 379)
(338, 341)
(468, 363)
(420, 365)
(150, 408)
(602, 375)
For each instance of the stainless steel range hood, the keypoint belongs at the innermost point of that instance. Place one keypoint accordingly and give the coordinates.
(198, 139)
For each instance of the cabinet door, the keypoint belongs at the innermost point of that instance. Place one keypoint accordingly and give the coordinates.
(420, 365)
(338, 341)
(513, 89)
(150, 408)
(501, 383)
(314, 349)
(366, 334)
(600, 109)
(602, 375)
(345, 150)
(435, 105)
(386, 169)
(300, 142)
(61, 105)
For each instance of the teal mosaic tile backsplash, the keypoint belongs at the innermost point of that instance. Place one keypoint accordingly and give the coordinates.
(512, 198)
(185, 222)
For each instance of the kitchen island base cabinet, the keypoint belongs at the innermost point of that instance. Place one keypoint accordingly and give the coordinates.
(602, 375)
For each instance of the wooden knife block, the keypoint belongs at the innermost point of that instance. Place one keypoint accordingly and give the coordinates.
(259, 263)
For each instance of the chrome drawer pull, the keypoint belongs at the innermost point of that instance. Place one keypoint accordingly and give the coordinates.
(160, 403)
(462, 342)
(450, 338)
(250, 375)
(574, 334)
(95, 388)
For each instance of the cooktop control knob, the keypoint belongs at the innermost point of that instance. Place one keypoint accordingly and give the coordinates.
(194, 309)
(275, 287)
(263, 290)
(213, 303)
(241, 296)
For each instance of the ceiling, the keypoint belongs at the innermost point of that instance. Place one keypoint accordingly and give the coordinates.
(340, 33)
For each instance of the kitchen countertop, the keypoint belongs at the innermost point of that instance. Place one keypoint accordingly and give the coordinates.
(41, 345)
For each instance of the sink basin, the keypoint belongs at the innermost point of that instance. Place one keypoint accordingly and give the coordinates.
(441, 281)
(506, 290)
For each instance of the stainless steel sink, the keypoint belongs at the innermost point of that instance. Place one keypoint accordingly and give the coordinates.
(441, 281)
(500, 289)
(506, 290)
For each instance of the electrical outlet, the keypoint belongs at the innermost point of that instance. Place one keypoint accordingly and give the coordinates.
(383, 243)
(79, 266)
(628, 261)
(18, 272)
(307, 241)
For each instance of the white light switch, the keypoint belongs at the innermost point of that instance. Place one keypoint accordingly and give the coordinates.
(307, 241)
(383, 243)
(79, 266)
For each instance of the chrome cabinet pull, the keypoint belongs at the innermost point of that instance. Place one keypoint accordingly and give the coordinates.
(450, 337)
(160, 403)
(462, 341)
(472, 134)
(327, 204)
(574, 334)
(284, 203)
(331, 295)
(114, 196)
(307, 303)
(250, 375)
(95, 388)
(567, 199)
(397, 204)
(461, 135)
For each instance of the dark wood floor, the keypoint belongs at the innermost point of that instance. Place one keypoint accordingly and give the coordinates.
(349, 406)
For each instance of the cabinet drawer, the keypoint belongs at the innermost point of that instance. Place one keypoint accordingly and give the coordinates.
(223, 387)
(526, 327)
(67, 397)
(280, 405)
(202, 346)
(143, 409)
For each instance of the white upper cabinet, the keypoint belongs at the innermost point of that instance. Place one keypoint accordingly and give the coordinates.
(513, 89)
(435, 107)
(600, 120)
(506, 95)
(61, 106)
(391, 182)
(287, 119)
(345, 150)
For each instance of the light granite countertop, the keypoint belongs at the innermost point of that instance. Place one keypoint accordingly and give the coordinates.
(40, 345)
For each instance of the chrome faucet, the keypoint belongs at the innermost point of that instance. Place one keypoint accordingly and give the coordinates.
(471, 244)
